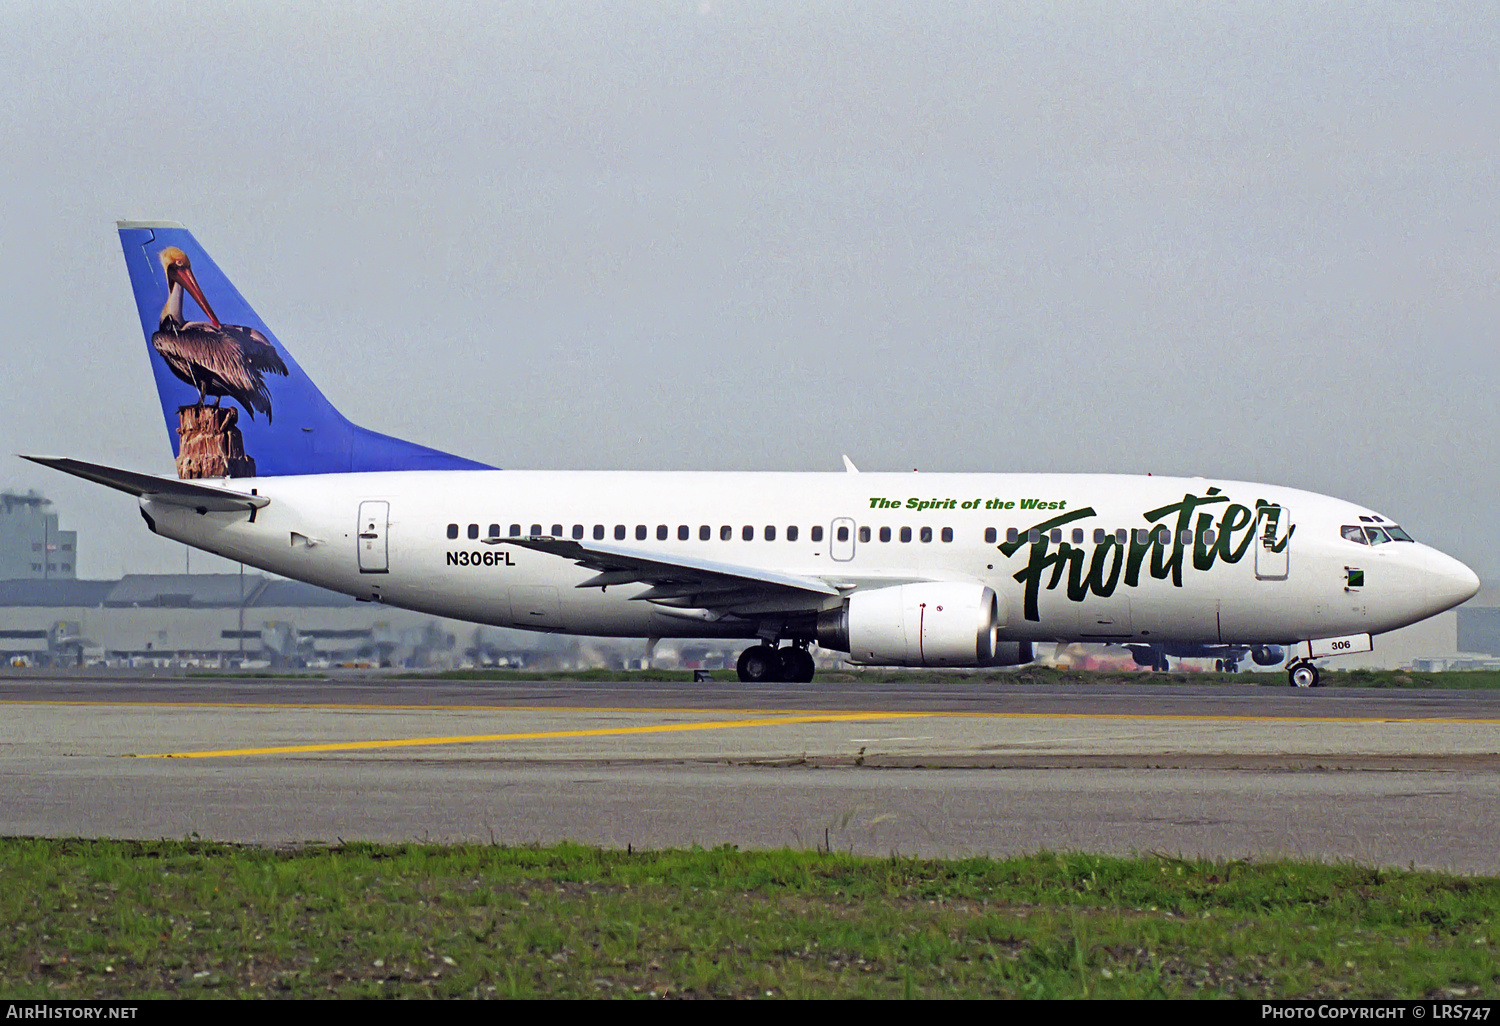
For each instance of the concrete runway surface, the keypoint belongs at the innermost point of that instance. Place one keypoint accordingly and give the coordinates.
(1391, 778)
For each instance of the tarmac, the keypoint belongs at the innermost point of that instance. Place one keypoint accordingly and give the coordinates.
(1255, 770)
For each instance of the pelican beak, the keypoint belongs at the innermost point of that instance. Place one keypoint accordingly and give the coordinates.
(184, 275)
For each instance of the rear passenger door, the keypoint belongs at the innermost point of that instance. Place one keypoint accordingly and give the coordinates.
(374, 524)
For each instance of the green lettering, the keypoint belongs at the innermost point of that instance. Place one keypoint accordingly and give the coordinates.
(1039, 560)
(1235, 518)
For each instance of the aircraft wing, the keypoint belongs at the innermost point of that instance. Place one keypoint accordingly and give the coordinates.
(684, 583)
(202, 497)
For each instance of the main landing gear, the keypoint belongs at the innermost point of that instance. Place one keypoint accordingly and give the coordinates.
(790, 665)
(1302, 674)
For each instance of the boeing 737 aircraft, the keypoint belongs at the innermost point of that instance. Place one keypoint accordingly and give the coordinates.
(958, 570)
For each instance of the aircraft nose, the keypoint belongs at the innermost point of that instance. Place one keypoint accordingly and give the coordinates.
(1449, 582)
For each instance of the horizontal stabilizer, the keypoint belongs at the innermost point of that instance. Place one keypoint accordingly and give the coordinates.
(204, 497)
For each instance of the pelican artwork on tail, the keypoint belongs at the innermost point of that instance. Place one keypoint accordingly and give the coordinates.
(216, 359)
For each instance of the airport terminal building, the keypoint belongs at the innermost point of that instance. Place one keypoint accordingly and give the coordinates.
(233, 620)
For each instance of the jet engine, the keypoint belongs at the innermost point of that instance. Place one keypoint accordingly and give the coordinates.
(1266, 655)
(938, 624)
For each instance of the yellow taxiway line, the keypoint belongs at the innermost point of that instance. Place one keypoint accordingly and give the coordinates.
(762, 719)
(749, 718)
(659, 728)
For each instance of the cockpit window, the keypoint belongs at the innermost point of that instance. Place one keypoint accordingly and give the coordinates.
(1369, 534)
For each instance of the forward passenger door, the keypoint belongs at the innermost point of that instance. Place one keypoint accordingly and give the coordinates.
(841, 539)
(1273, 535)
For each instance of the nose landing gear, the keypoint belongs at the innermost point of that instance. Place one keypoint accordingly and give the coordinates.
(790, 665)
(1302, 674)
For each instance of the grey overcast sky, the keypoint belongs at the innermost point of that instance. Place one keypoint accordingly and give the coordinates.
(1254, 241)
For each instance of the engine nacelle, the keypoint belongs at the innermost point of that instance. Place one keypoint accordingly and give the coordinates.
(1266, 655)
(940, 624)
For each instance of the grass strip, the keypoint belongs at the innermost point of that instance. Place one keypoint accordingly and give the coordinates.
(92, 919)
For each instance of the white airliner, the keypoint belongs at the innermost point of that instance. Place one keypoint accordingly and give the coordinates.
(950, 570)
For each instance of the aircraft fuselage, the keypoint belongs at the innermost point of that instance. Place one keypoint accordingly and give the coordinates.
(1201, 561)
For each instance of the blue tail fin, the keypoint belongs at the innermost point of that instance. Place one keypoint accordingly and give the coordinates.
(235, 402)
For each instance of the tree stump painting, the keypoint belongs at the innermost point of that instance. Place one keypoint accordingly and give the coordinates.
(209, 444)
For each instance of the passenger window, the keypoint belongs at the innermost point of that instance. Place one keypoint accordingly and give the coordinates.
(1187, 537)
(452, 530)
(885, 534)
(640, 532)
(947, 534)
(1209, 537)
(1100, 535)
(1121, 536)
(770, 534)
(1163, 537)
(726, 532)
(817, 532)
(1033, 536)
(1012, 535)
(683, 533)
(598, 532)
(705, 533)
(843, 533)
(619, 532)
(864, 534)
(557, 530)
(791, 533)
(536, 530)
(747, 532)
(1077, 536)
(1354, 533)
(906, 534)
(1142, 536)
(473, 530)
(925, 534)
(494, 531)
(661, 532)
(515, 530)
(1056, 535)
(577, 532)
(990, 535)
